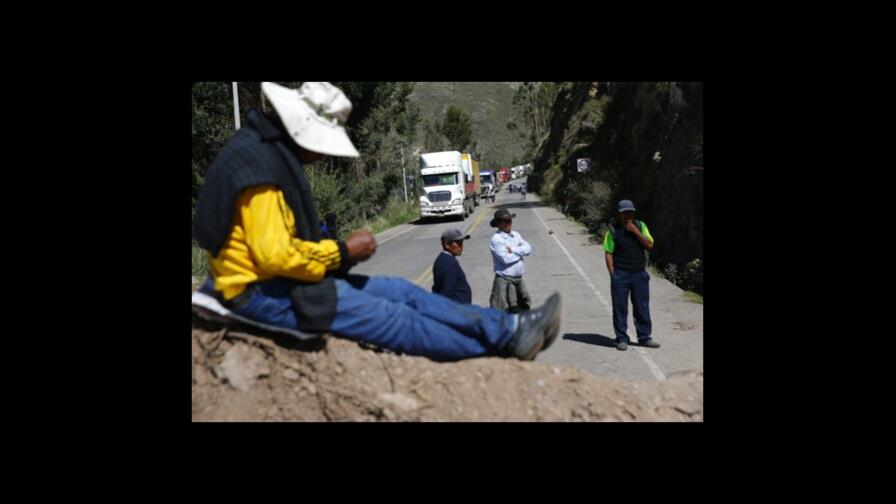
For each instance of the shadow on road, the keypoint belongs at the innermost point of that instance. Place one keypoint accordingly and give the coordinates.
(591, 339)
(522, 204)
(426, 221)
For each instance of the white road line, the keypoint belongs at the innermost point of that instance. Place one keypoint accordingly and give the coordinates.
(650, 364)
(657, 372)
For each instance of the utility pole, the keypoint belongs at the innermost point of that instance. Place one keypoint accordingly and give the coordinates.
(236, 107)
(404, 177)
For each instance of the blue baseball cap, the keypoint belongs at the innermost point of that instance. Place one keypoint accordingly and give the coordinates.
(626, 206)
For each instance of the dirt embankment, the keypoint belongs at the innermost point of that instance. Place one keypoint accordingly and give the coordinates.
(237, 376)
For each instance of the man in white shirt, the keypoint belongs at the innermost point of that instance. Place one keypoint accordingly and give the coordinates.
(508, 249)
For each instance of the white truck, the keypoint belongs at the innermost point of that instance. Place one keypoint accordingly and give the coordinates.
(448, 188)
(489, 185)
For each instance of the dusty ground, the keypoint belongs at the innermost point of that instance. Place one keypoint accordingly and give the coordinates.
(243, 377)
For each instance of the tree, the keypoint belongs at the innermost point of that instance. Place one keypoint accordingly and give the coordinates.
(456, 128)
(433, 140)
(533, 102)
(382, 122)
(212, 117)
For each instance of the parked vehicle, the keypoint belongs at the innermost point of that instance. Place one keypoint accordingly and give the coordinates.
(471, 168)
(489, 185)
(504, 175)
(448, 190)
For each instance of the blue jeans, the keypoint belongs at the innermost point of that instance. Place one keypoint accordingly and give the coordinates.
(393, 313)
(634, 284)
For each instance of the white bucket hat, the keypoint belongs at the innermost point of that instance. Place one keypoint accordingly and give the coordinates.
(314, 115)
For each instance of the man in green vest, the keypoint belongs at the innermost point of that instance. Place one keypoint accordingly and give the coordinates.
(624, 245)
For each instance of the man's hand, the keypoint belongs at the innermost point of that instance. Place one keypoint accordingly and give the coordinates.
(361, 245)
(630, 227)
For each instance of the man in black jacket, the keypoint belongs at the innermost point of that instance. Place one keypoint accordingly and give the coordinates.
(448, 278)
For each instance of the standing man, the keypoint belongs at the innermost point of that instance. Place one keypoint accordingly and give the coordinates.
(508, 249)
(448, 278)
(624, 245)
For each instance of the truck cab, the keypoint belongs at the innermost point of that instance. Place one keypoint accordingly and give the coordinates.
(489, 185)
(504, 175)
(447, 188)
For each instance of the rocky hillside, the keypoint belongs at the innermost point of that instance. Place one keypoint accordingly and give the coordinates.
(242, 377)
(646, 143)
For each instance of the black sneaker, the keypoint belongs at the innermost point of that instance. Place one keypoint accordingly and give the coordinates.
(535, 327)
(649, 343)
(622, 346)
(553, 327)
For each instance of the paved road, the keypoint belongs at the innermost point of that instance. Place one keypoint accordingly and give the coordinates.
(565, 259)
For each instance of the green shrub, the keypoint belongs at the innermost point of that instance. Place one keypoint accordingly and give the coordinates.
(692, 278)
(595, 205)
(396, 212)
(693, 297)
(549, 180)
(200, 261)
(670, 272)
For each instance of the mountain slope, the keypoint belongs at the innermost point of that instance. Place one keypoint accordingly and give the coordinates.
(490, 105)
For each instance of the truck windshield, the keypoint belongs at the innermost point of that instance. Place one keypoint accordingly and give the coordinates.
(485, 179)
(439, 180)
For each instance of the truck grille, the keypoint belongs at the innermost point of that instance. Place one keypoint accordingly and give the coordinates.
(440, 196)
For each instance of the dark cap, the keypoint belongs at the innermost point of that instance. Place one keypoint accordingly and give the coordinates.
(501, 214)
(626, 206)
(453, 235)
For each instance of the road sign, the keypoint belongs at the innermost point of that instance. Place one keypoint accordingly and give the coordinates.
(583, 164)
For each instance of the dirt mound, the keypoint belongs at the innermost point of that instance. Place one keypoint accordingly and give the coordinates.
(237, 376)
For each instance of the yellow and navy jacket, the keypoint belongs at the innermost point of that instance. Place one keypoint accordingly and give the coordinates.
(256, 218)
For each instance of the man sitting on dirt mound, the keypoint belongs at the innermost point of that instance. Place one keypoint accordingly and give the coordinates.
(256, 217)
